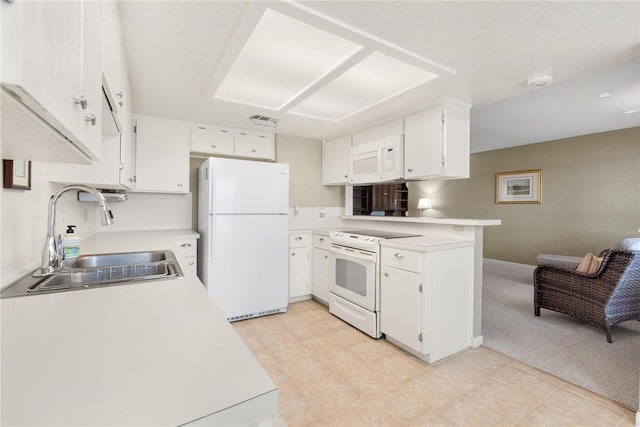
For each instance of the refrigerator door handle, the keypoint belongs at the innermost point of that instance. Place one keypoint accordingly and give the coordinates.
(212, 221)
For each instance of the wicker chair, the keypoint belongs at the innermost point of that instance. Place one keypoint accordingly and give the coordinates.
(609, 296)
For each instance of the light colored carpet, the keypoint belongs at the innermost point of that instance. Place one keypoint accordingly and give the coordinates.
(554, 342)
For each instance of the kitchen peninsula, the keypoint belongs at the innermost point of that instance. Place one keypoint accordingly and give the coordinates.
(471, 229)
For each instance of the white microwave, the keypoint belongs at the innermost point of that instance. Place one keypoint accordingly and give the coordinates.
(377, 161)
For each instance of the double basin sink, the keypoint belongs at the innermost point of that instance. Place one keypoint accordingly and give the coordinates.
(91, 271)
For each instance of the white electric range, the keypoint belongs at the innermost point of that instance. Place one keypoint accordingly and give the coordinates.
(355, 272)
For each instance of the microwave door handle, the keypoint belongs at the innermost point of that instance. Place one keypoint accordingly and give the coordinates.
(380, 171)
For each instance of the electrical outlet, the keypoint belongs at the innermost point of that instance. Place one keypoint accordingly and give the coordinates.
(323, 213)
(458, 229)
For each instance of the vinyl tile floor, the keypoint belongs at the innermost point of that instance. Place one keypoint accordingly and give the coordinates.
(331, 374)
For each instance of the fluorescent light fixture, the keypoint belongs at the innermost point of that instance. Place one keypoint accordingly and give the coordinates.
(290, 66)
(282, 58)
(375, 79)
(606, 94)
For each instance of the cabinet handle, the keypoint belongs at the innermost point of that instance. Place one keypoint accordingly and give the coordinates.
(185, 245)
(326, 256)
(191, 263)
(346, 176)
(399, 255)
(82, 101)
(298, 238)
(120, 103)
(213, 146)
(91, 119)
(409, 170)
(386, 274)
(179, 185)
(120, 94)
(322, 239)
(253, 150)
(293, 254)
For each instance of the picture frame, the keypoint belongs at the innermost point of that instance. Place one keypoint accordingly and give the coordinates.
(16, 174)
(519, 186)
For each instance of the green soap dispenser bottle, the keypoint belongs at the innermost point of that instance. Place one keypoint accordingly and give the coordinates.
(70, 243)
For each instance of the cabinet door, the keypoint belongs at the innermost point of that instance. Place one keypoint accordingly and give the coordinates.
(211, 140)
(321, 275)
(162, 156)
(400, 306)
(335, 161)
(127, 149)
(42, 64)
(112, 53)
(92, 75)
(424, 144)
(299, 272)
(254, 145)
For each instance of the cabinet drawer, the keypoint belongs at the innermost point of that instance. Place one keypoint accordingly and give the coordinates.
(211, 140)
(299, 240)
(186, 247)
(401, 258)
(321, 242)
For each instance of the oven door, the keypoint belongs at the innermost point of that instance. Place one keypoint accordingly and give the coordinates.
(353, 273)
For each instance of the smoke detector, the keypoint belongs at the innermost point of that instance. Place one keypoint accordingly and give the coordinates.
(264, 121)
(540, 81)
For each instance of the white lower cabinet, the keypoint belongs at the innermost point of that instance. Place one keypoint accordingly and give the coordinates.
(299, 267)
(426, 297)
(400, 308)
(186, 247)
(321, 268)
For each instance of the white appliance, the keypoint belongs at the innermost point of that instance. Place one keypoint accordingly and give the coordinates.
(244, 239)
(381, 160)
(355, 284)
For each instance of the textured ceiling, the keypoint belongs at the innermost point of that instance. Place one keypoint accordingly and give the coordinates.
(175, 49)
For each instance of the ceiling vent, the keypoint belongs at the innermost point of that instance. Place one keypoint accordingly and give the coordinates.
(264, 121)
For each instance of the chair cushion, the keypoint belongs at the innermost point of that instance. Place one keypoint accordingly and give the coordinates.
(630, 244)
(559, 261)
(589, 264)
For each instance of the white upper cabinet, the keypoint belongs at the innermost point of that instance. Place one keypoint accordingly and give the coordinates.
(335, 161)
(50, 105)
(254, 145)
(162, 155)
(212, 140)
(113, 60)
(436, 142)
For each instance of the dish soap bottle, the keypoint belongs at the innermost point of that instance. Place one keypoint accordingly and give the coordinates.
(70, 243)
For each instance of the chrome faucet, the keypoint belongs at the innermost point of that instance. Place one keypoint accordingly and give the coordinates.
(52, 253)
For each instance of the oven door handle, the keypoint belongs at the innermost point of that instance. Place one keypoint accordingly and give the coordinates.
(354, 253)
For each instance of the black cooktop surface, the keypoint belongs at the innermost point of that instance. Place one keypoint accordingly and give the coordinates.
(381, 233)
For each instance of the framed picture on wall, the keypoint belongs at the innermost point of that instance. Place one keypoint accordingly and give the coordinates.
(519, 187)
(17, 174)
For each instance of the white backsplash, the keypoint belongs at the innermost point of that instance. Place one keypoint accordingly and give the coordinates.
(150, 211)
(309, 217)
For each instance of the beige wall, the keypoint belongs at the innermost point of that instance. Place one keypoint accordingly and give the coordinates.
(590, 196)
(304, 156)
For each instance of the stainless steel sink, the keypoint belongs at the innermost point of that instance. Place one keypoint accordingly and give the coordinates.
(117, 259)
(90, 271)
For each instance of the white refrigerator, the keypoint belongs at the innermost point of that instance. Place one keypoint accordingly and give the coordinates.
(243, 248)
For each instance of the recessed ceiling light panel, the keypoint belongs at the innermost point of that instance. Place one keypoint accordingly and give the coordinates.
(282, 58)
(372, 81)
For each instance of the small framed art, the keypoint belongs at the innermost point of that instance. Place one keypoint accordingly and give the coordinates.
(17, 174)
(519, 187)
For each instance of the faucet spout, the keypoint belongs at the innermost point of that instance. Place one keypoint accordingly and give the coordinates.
(52, 253)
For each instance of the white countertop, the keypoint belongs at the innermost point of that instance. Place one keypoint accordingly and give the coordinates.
(154, 353)
(425, 220)
(426, 243)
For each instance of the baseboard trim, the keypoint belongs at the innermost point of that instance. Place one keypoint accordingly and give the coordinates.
(638, 418)
(477, 341)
